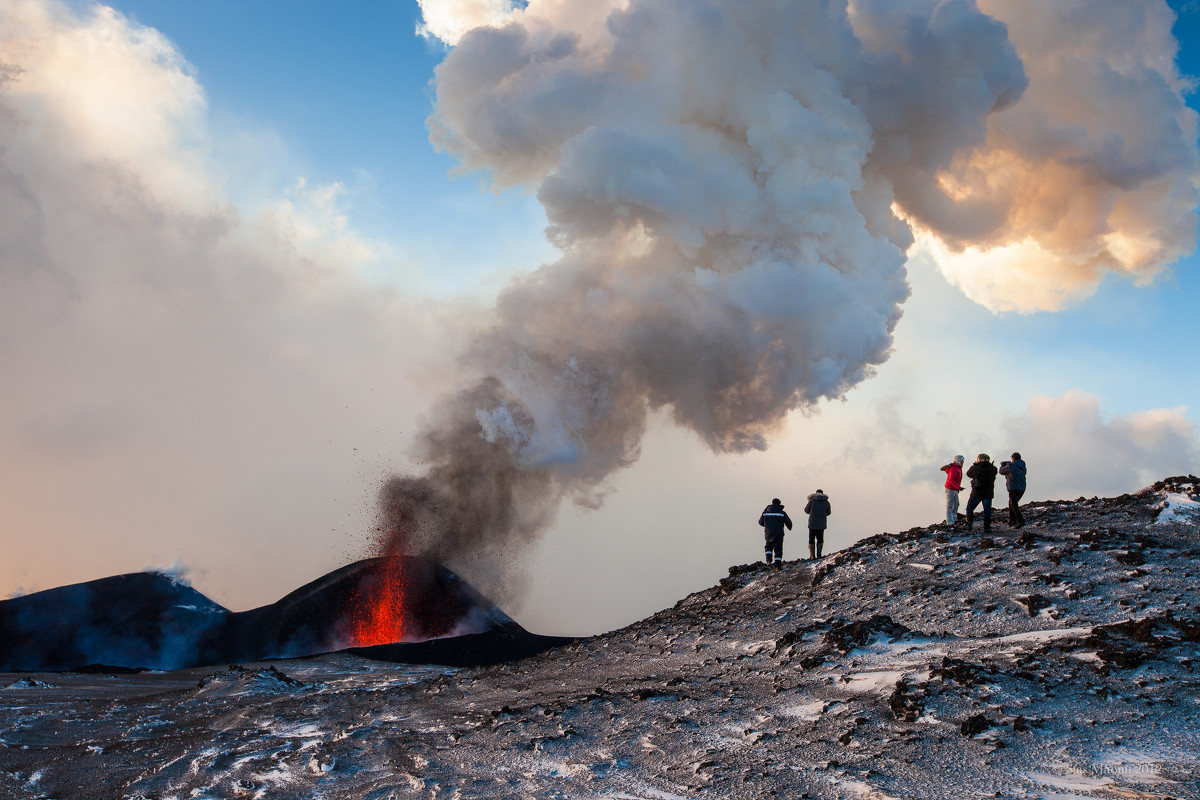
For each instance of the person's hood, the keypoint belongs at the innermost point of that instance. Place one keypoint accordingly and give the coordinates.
(818, 495)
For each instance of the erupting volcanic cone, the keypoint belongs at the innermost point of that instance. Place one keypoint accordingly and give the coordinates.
(379, 612)
(408, 599)
(399, 608)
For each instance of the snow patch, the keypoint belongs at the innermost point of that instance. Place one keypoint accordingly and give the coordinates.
(862, 682)
(30, 683)
(805, 711)
(1073, 782)
(647, 792)
(562, 769)
(1042, 636)
(1178, 507)
(305, 731)
(863, 790)
(1132, 764)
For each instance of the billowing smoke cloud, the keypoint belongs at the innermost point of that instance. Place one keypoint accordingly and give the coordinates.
(710, 171)
(730, 184)
(1073, 449)
(1095, 170)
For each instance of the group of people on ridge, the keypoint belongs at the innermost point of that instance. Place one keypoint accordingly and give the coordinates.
(775, 522)
(982, 475)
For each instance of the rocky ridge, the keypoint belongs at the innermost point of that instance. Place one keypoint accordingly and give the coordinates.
(1055, 661)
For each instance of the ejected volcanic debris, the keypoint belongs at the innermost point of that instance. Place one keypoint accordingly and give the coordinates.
(914, 667)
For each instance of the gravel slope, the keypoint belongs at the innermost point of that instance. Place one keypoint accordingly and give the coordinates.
(1058, 661)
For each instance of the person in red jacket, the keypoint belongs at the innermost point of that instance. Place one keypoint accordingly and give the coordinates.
(953, 472)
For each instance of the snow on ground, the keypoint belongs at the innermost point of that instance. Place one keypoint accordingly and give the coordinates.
(1055, 662)
(1178, 507)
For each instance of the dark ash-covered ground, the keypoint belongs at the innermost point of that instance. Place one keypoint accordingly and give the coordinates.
(931, 663)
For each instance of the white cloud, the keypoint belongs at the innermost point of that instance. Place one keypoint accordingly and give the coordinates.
(94, 89)
(1073, 449)
(448, 20)
(1093, 170)
(182, 376)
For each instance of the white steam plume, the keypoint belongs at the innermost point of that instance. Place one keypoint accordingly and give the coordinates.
(731, 183)
(719, 176)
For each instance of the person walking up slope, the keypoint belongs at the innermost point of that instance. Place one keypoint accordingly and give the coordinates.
(773, 521)
(818, 510)
(1014, 478)
(983, 488)
(953, 472)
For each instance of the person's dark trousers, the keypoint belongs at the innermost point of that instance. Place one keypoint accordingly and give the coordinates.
(816, 541)
(1015, 518)
(774, 548)
(972, 504)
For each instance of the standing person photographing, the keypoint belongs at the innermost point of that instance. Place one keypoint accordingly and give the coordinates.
(983, 488)
(1014, 478)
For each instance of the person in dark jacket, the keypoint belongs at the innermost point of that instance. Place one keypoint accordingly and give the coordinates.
(983, 488)
(773, 521)
(818, 510)
(1014, 478)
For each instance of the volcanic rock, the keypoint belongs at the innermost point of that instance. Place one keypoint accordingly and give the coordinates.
(897, 675)
(146, 619)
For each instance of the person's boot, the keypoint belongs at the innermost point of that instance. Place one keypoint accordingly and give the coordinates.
(970, 521)
(811, 553)
(778, 565)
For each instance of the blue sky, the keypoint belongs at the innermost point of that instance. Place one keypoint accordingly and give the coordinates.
(301, 406)
(347, 93)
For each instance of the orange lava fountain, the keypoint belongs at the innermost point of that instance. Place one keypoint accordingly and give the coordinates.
(379, 616)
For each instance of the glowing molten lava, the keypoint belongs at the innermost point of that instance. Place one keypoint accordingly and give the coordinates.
(380, 612)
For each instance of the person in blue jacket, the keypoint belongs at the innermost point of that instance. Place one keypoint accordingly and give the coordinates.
(1014, 476)
(773, 521)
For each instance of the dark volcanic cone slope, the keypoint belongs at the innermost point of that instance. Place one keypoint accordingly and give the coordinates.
(148, 620)
(1062, 660)
(143, 619)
